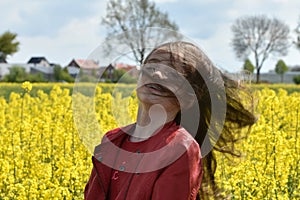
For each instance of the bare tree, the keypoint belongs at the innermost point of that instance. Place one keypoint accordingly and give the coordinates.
(128, 22)
(259, 36)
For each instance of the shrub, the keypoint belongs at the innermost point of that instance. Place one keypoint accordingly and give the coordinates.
(296, 79)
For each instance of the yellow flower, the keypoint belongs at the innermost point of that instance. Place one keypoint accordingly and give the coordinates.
(27, 86)
(45, 157)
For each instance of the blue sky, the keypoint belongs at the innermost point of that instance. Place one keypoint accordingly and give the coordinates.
(63, 30)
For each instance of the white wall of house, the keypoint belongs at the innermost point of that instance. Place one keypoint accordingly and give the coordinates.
(44, 63)
(4, 68)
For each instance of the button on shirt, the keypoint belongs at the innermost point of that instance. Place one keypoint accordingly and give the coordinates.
(120, 179)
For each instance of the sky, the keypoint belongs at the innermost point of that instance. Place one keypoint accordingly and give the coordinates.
(63, 30)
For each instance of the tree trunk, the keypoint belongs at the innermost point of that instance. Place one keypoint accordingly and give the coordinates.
(257, 75)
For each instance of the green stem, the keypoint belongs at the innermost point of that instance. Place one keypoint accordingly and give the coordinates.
(21, 123)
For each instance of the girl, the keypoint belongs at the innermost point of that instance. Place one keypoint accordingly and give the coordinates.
(185, 103)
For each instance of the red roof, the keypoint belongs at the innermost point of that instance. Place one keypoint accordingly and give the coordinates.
(85, 64)
(125, 66)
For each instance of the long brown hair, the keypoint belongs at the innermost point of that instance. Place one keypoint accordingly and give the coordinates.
(210, 83)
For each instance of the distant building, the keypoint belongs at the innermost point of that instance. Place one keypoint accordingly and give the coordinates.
(38, 61)
(47, 72)
(35, 65)
(73, 71)
(273, 77)
(295, 68)
(130, 69)
(43, 66)
(84, 64)
(87, 66)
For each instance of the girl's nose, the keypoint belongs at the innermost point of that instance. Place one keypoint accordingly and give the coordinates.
(158, 74)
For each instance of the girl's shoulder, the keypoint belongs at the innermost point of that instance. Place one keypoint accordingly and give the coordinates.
(184, 140)
(117, 132)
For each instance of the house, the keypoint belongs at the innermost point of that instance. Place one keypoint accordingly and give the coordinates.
(84, 64)
(47, 72)
(35, 65)
(295, 68)
(73, 71)
(109, 70)
(130, 69)
(43, 66)
(39, 61)
(88, 67)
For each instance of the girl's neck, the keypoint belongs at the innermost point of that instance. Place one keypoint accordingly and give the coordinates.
(150, 120)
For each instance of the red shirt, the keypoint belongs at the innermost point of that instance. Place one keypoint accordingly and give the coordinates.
(166, 174)
(120, 179)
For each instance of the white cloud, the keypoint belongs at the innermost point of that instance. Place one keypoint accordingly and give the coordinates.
(217, 45)
(11, 13)
(73, 28)
(76, 37)
(75, 40)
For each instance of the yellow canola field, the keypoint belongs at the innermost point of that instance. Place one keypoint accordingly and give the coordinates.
(269, 167)
(42, 155)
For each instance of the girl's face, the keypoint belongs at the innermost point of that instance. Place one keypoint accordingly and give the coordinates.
(158, 83)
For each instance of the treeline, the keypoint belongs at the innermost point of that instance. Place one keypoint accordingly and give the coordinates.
(18, 74)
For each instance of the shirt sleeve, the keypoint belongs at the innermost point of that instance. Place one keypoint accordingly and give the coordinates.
(94, 189)
(181, 180)
(91, 186)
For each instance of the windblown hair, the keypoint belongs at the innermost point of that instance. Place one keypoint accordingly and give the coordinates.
(210, 84)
